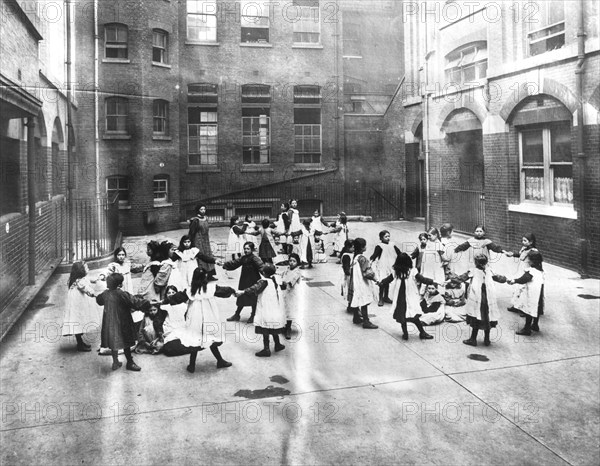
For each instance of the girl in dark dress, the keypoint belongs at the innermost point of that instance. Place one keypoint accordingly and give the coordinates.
(118, 329)
(406, 304)
(251, 267)
(198, 233)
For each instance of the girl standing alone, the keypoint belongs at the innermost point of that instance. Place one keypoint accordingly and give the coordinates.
(360, 293)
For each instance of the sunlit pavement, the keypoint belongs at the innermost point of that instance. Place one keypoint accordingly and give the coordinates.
(336, 394)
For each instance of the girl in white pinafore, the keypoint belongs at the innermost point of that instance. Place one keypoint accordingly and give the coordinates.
(203, 324)
(382, 260)
(123, 266)
(293, 291)
(270, 315)
(185, 264)
(361, 293)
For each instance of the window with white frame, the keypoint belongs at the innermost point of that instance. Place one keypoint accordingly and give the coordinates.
(256, 124)
(307, 124)
(117, 187)
(546, 27)
(160, 46)
(116, 115)
(307, 26)
(467, 63)
(202, 20)
(255, 21)
(546, 164)
(160, 117)
(161, 189)
(115, 41)
(202, 124)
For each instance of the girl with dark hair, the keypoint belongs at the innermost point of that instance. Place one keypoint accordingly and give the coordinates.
(198, 233)
(448, 245)
(482, 304)
(530, 300)
(251, 232)
(340, 229)
(203, 323)
(267, 248)
(529, 245)
(184, 258)
(419, 251)
(270, 316)
(405, 291)
(383, 259)
(118, 329)
(237, 237)
(283, 227)
(346, 256)
(251, 267)
(80, 310)
(360, 293)
(479, 244)
(293, 293)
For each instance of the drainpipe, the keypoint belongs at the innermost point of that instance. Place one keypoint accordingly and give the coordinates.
(426, 135)
(31, 196)
(581, 156)
(69, 138)
(96, 105)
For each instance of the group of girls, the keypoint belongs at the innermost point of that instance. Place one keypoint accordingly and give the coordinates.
(415, 297)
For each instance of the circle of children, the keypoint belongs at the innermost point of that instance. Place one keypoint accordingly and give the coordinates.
(175, 308)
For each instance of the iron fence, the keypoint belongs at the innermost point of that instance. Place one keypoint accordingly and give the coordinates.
(466, 209)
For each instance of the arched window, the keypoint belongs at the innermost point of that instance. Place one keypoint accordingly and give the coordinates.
(467, 63)
(116, 41)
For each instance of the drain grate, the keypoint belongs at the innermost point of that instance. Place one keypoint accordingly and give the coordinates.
(588, 296)
(312, 284)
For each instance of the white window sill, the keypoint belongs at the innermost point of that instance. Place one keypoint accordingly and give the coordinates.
(307, 46)
(158, 137)
(199, 42)
(352, 57)
(308, 168)
(545, 210)
(256, 45)
(163, 204)
(116, 60)
(203, 168)
(116, 136)
(161, 65)
(256, 168)
(124, 207)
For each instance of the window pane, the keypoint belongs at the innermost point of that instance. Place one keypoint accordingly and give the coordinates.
(533, 148)
(563, 184)
(560, 150)
(534, 184)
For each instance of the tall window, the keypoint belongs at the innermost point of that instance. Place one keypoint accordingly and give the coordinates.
(307, 27)
(161, 189)
(160, 117)
(117, 187)
(202, 20)
(115, 41)
(116, 115)
(467, 63)
(256, 124)
(160, 43)
(547, 27)
(255, 21)
(546, 164)
(307, 124)
(202, 124)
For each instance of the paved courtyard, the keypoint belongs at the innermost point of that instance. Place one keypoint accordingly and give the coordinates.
(337, 394)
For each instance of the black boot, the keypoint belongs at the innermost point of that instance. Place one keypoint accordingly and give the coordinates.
(527, 329)
(235, 317)
(214, 349)
(116, 363)
(131, 365)
(473, 340)
(192, 365)
(534, 326)
(278, 345)
(380, 302)
(266, 352)
(386, 294)
(366, 322)
(404, 330)
(486, 337)
(357, 319)
(81, 346)
(288, 330)
(423, 335)
(251, 319)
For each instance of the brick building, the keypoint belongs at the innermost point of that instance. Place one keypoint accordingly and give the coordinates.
(237, 104)
(33, 143)
(507, 96)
